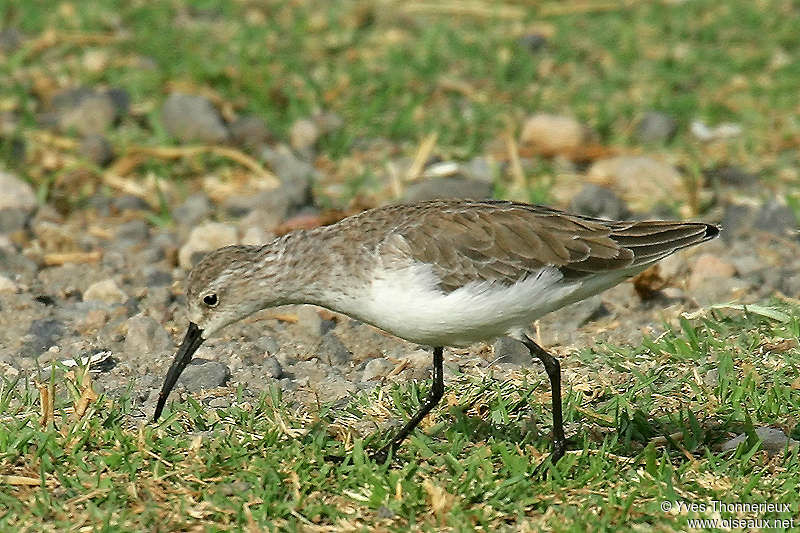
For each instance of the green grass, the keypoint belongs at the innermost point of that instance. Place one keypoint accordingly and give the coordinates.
(644, 430)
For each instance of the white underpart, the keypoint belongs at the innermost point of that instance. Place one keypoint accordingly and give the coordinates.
(408, 303)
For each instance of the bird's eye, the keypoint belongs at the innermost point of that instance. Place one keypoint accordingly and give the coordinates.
(210, 300)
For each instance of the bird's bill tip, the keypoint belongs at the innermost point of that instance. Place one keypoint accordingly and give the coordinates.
(191, 342)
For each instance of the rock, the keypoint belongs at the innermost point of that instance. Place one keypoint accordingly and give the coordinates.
(548, 135)
(272, 368)
(96, 149)
(655, 127)
(249, 131)
(205, 238)
(10, 39)
(193, 210)
(508, 350)
(641, 181)
(6, 285)
(255, 236)
(309, 321)
(736, 219)
(158, 278)
(106, 291)
(93, 320)
(303, 135)
(146, 337)
(219, 403)
(84, 111)
(731, 175)
(130, 202)
(132, 232)
(376, 369)
(204, 374)
(42, 334)
(121, 100)
(332, 350)
(192, 118)
(777, 219)
(17, 202)
(773, 440)
(451, 187)
(532, 42)
(419, 359)
(602, 202)
(709, 266)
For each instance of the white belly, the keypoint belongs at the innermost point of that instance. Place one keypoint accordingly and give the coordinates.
(408, 303)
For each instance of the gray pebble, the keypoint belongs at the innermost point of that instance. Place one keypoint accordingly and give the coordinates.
(731, 175)
(272, 368)
(85, 111)
(219, 403)
(204, 374)
(773, 440)
(196, 208)
(776, 218)
(309, 321)
(96, 149)
(332, 351)
(17, 202)
(249, 131)
(192, 118)
(655, 127)
(377, 368)
(145, 337)
(601, 202)
(133, 232)
(42, 334)
(129, 202)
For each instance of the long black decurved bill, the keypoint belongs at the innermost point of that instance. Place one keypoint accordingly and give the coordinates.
(191, 342)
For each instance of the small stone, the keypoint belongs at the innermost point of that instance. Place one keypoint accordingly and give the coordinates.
(94, 320)
(731, 175)
(146, 337)
(303, 135)
(480, 169)
(601, 202)
(219, 403)
(642, 181)
(158, 278)
(655, 127)
(508, 350)
(548, 135)
(296, 177)
(709, 266)
(255, 236)
(17, 202)
(419, 359)
(237, 487)
(204, 374)
(96, 149)
(6, 285)
(272, 368)
(206, 238)
(450, 187)
(377, 368)
(773, 440)
(777, 219)
(309, 321)
(129, 202)
(193, 210)
(332, 350)
(384, 512)
(133, 232)
(192, 118)
(250, 131)
(10, 39)
(533, 42)
(106, 291)
(42, 334)
(85, 111)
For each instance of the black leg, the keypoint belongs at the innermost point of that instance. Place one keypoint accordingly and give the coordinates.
(436, 393)
(553, 369)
